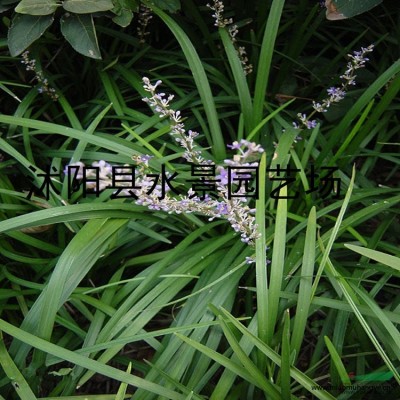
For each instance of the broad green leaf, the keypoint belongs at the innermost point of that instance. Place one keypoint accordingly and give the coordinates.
(4, 6)
(132, 5)
(124, 18)
(168, 5)
(37, 7)
(79, 31)
(87, 6)
(25, 29)
(342, 9)
(123, 10)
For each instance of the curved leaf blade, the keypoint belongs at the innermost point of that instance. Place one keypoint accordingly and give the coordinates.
(383, 258)
(86, 362)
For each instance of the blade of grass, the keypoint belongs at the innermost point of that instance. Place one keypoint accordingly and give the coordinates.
(105, 141)
(343, 374)
(277, 263)
(269, 117)
(261, 262)
(352, 300)
(333, 234)
(76, 212)
(227, 379)
(146, 144)
(76, 260)
(67, 355)
(17, 379)
(264, 62)
(258, 376)
(352, 134)
(174, 382)
(200, 79)
(226, 362)
(387, 259)
(239, 76)
(380, 315)
(80, 148)
(286, 358)
(304, 297)
(295, 373)
(148, 298)
(122, 388)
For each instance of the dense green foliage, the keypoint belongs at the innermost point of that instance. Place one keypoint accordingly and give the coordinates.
(103, 298)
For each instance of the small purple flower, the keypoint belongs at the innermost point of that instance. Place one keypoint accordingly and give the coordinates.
(192, 134)
(223, 176)
(207, 198)
(235, 145)
(145, 157)
(336, 94)
(184, 203)
(76, 168)
(311, 124)
(222, 208)
(332, 90)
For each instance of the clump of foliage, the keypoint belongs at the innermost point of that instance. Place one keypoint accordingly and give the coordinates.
(110, 298)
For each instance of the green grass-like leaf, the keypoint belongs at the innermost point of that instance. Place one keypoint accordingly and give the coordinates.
(201, 81)
(111, 372)
(17, 379)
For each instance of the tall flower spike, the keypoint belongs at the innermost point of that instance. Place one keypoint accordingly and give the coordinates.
(150, 194)
(221, 22)
(218, 8)
(30, 65)
(159, 102)
(147, 193)
(337, 94)
(143, 21)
